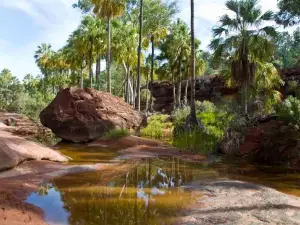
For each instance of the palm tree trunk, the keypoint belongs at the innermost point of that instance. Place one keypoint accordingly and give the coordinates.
(174, 90)
(152, 71)
(186, 92)
(246, 99)
(98, 71)
(193, 119)
(147, 94)
(108, 60)
(179, 85)
(91, 65)
(81, 75)
(138, 100)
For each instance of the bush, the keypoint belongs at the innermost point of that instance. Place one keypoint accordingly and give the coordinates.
(216, 122)
(158, 127)
(289, 111)
(196, 141)
(116, 134)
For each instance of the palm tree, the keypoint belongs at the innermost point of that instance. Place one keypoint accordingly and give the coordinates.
(109, 9)
(138, 100)
(157, 20)
(42, 57)
(176, 49)
(193, 118)
(242, 40)
(124, 51)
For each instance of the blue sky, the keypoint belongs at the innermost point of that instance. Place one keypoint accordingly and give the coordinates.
(27, 23)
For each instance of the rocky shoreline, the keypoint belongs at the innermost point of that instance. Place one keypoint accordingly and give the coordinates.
(235, 202)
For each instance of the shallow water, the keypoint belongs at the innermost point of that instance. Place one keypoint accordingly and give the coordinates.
(83, 154)
(151, 192)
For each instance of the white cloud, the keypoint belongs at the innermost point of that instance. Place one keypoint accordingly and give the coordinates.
(56, 19)
(208, 13)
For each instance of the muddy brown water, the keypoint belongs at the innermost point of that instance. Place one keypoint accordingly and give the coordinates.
(150, 192)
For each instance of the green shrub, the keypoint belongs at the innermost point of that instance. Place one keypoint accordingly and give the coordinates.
(196, 141)
(215, 120)
(158, 127)
(289, 111)
(116, 134)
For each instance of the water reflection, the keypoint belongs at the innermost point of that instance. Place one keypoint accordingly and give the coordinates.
(149, 193)
(84, 154)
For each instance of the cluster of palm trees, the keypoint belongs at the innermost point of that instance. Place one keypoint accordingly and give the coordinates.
(123, 31)
(102, 36)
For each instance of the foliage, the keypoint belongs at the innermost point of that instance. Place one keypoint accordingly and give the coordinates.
(116, 134)
(196, 141)
(215, 121)
(26, 98)
(287, 53)
(289, 111)
(266, 84)
(158, 127)
(289, 13)
(241, 40)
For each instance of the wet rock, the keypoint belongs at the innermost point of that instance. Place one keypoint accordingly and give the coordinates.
(83, 115)
(15, 150)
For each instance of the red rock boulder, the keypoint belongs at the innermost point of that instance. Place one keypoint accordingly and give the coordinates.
(83, 115)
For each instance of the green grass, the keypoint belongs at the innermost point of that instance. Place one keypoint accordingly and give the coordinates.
(196, 141)
(158, 127)
(116, 134)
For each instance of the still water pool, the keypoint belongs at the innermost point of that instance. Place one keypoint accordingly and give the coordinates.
(151, 192)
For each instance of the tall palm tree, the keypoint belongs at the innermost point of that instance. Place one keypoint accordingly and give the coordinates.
(109, 9)
(157, 20)
(176, 50)
(43, 56)
(243, 40)
(124, 51)
(193, 118)
(138, 100)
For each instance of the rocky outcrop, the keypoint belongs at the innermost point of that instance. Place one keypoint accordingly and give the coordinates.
(18, 124)
(269, 142)
(82, 115)
(15, 150)
(207, 88)
(236, 202)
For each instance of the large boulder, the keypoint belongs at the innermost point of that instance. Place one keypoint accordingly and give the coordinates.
(15, 150)
(83, 115)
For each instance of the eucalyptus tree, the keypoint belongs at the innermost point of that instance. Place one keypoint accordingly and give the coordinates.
(43, 56)
(109, 9)
(242, 39)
